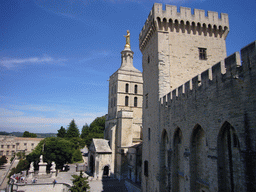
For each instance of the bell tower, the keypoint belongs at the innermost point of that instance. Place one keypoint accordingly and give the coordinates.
(124, 119)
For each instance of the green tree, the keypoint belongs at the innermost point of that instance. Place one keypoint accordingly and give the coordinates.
(61, 132)
(59, 150)
(21, 154)
(3, 160)
(55, 149)
(98, 125)
(80, 183)
(72, 130)
(27, 134)
(77, 156)
(77, 142)
(96, 130)
(22, 165)
(85, 131)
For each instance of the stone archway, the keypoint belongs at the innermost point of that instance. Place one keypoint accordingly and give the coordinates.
(106, 171)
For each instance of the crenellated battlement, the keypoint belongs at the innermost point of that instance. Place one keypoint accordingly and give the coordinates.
(183, 21)
(224, 71)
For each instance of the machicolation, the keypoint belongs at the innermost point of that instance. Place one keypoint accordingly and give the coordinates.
(184, 21)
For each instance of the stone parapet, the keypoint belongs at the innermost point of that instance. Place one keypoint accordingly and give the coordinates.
(172, 20)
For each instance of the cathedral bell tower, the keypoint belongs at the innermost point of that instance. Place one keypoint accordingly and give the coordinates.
(124, 119)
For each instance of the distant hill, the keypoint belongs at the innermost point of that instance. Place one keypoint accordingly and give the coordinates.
(39, 135)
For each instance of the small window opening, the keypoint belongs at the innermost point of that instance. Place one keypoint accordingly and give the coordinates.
(126, 87)
(135, 89)
(146, 100)
(202, 54)
(135, 101)
(126, 100)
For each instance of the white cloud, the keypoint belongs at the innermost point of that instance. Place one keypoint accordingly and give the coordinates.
(7, 113)
(11, 63)
(44, 118)
(41, 108)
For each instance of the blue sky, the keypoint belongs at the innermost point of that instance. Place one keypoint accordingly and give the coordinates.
(57, 55)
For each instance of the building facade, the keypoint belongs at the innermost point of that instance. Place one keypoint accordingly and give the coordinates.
(198, 106)
(10, 145)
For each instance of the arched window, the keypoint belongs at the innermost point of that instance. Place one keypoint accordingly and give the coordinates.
(178, 168)
(229, 159)
(198, 160)
(135, 101)
(126, 100)
(126, 87)
(135, 89)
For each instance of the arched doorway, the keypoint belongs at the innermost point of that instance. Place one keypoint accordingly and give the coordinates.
(91, 164)
(105, 171)
(229, 163)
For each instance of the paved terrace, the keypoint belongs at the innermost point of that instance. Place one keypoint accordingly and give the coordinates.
(46, 184)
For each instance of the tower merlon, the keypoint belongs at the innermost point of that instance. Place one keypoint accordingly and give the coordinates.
(170, 19)
(185, 14)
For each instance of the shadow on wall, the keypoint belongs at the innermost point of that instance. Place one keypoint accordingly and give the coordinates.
(110, 184)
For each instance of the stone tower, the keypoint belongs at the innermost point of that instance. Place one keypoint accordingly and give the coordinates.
(124, 119)
(176, 46)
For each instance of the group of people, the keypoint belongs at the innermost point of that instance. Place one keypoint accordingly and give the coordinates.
(19, 179)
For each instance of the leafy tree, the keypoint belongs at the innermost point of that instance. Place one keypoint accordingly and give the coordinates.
(22, 165)
(96, 130)
(80, 183)
(85, 131)
(77, 156)
(27, 134)
(72, 130)
(77, 142)
(55, 149)
(21, 155)
(59, 150)
(3, 160)
(92, 135)
(98, 125)
(61, 132)
(35, 154)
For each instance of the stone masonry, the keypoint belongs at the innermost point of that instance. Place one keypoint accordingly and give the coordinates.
(199, 108)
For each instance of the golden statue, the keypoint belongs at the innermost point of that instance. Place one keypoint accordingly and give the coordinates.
(127, 45)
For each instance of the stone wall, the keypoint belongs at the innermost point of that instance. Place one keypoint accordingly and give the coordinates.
(198, 116)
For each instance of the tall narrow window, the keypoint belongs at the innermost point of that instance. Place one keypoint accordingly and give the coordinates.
(135, 89)
(135, 101)
(126, 100)
(202, 53)
(149, 134)
(146, 100)
(126, 88)
(146, 168)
